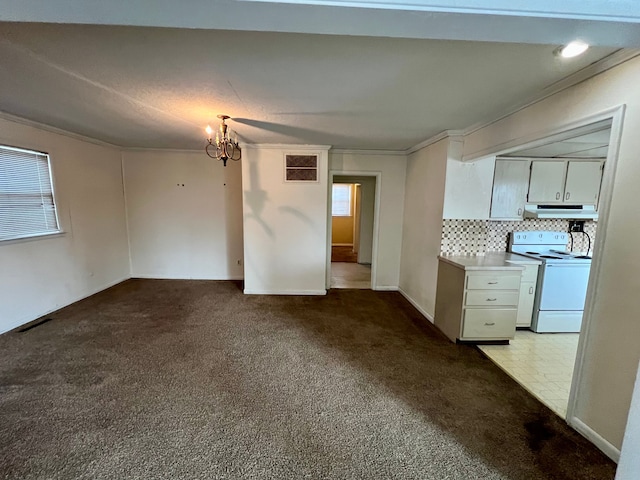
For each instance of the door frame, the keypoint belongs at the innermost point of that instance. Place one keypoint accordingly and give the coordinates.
(616, 115)
(376, 223)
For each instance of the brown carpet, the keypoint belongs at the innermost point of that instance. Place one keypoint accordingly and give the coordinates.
(193, 379)
(343, 254)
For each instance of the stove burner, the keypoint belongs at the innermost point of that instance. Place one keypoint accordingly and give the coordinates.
(551, 256)
(532, 253)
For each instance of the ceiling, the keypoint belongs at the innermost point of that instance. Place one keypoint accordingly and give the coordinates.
(149, 87)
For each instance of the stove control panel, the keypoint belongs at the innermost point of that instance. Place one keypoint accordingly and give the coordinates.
(538, 238)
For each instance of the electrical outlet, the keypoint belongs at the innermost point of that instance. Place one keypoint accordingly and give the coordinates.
(576, 225)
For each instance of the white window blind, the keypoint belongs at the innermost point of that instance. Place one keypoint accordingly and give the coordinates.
(341, 200)
(27, 206)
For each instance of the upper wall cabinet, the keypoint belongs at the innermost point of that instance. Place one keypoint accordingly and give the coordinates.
(510, 185)
(583, 182)
(565, 181)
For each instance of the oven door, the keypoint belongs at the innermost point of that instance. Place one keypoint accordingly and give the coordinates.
(564, 286)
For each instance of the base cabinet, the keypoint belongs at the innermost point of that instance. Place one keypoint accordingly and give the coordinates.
(527, 296)
(477, 305)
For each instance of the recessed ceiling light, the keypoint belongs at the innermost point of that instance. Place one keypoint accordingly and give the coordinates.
(572, 49)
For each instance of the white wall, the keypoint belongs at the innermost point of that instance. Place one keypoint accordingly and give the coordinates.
(391, 190)
(629, 466)
(422, 226)
(41, 275)
(184, 214)
(285, 224)
(612, 350)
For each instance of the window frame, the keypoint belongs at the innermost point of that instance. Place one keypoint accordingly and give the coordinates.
(350, 199)
(44, 234)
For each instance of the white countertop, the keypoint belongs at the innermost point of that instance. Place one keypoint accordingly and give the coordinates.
(489, 261)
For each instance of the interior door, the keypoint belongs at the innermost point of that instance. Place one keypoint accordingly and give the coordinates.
(583, 182)
(547, 181)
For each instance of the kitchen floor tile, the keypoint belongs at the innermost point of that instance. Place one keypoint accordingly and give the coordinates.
(541, 362)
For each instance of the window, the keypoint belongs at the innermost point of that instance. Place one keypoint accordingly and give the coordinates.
(27, 206)
(341, 200)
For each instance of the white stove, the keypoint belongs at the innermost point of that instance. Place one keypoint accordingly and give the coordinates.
(562, 280)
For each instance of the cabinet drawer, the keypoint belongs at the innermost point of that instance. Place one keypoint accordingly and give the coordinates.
(499, 281)
(489, 323)
(492, 297)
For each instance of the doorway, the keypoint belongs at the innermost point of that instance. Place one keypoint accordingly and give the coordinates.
(352, 213)
(546, 364)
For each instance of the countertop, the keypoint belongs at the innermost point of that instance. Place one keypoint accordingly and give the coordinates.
(489, 261)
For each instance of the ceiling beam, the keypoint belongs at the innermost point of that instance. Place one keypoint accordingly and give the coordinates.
(597, 22)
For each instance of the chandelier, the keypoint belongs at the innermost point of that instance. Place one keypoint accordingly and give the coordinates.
(224, 147)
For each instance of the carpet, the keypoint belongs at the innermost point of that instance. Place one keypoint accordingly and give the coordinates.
(194, 380)
(343, 254)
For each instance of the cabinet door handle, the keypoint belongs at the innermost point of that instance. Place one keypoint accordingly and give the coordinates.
(491, 299)
(530, 290)
(489, 324)
(492, 283)
(566, 197)
(557, 195)
(519, 211)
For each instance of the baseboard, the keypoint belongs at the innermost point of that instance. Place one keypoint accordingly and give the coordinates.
(342, 244)
(386, 288)
(428, 316)
(609, 450)
(159, 277)
(24, 321)
(284, 292)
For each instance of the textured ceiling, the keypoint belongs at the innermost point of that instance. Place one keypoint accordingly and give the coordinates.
(159, 87)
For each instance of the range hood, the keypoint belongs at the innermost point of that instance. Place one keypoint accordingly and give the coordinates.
(573, 212)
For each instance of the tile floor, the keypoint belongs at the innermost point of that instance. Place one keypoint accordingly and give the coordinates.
(541, 363)
(350, 275)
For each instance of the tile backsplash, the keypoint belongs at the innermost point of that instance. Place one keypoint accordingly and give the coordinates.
(475, 237)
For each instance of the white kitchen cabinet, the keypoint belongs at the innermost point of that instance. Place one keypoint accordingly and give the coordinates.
(570, 182)
(546, 185)
(510, 185)
(583, 182)
(527, 296)
(478, 304)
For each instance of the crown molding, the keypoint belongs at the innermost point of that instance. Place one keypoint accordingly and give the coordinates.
(351, 151)
(434, 139)
(160, 150)
(285, 146)
(616, 58)
(50, 128)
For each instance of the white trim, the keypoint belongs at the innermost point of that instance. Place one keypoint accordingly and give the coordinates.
(376, 221)
(33, 236)
(606, 194)
(434, 139)
(607, 448)
(342, 244)
(415, 304)
(602, 65)
(285, 292)
(56, 130)
(24, 321)
(285, 146)
(167, 150)
(386, 288)
(161, 277)
(351, 151)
